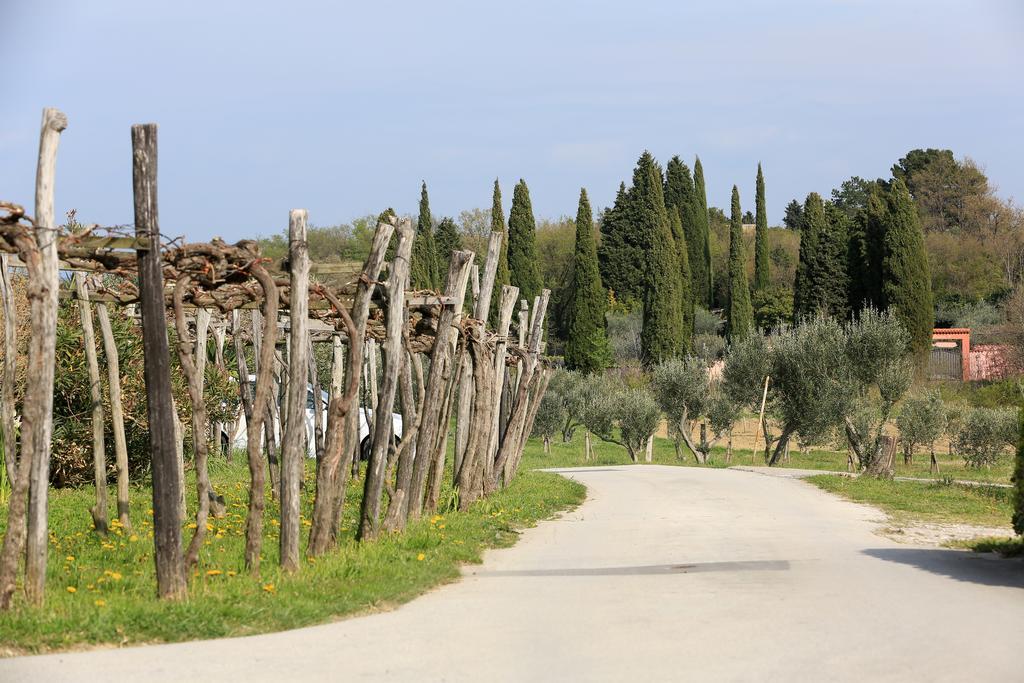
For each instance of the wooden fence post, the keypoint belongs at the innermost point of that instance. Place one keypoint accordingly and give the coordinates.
(170, 573)
(10, 442)
(293, 453)
(37, 415)
(381, 437)
(116, 415)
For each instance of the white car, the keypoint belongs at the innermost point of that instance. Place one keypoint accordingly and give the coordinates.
(240, 440)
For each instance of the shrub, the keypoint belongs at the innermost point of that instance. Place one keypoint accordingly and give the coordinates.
(920, 422)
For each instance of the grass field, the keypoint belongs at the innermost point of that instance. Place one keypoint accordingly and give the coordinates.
(101, 590)
(933, 502)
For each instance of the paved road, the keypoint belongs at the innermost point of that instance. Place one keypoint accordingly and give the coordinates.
(664, 574)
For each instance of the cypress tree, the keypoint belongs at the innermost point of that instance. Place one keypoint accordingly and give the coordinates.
(501, 277)
(586, 346)
(822, 285)
(739, 313)
(685, 278)
(703, 281)
(447, 239)
(867, 242)
(906, 281)
(620, 254)
(812, 222)
(833, 262)
(762, 264)
(524, 271)
(661, 335)
(423, 264)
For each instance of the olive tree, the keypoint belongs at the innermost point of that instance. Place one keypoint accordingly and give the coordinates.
(811, 388)
(747, 365)
(921, 421)
(570, 388)
(550, 418)
(626, 417)
(880, 363)
(681, 388)
(983, 435)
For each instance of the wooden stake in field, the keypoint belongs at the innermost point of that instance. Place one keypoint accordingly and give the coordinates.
(381, 437)
(7, 432)
(37, 414)
(293, 453)
(760, 419)
(170, 574)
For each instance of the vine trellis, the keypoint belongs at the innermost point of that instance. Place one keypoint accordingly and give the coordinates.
(490, 383)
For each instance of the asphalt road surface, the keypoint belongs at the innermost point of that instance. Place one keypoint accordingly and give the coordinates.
(663, 574)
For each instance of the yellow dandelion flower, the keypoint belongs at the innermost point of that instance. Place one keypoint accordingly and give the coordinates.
(71, 589)
(209, 527)
(213, 572)
(133, 538)
(70, 558)
(440, 526)
(116, 576)
(100, 602)
(421, 557)
(269, 588)
(232, 573)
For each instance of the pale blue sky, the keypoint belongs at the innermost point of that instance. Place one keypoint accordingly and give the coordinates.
(342, 108)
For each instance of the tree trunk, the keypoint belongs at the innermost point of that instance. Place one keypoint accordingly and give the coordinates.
(116, 415)
(342, 436)
(587, 446)
(649, 455)
(187, 351)
(934, 466)
(99, 454)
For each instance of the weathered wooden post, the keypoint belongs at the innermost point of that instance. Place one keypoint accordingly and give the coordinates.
(398, 280)
(37, 414)
(99, 459)
(430, 410)
(506, 308)
(293, 452)
(116, 414)
(167, 555)
(10, 442)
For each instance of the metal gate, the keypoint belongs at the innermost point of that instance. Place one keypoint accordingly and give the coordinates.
(946, 363)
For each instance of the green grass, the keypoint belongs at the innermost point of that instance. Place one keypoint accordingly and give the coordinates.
(114, 586)
(1007, 547)
(909, 501)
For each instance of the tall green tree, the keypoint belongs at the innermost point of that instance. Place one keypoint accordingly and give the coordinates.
(685, 277)
(447, 239)
(620, 254)
(762, 262)
(661, 336)
(524, 272)
(586, 345)
(739, 313)
(866, 249)
(906, 280)
(501, 277)
(703, 280)
(822, 285)
(423, 264)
